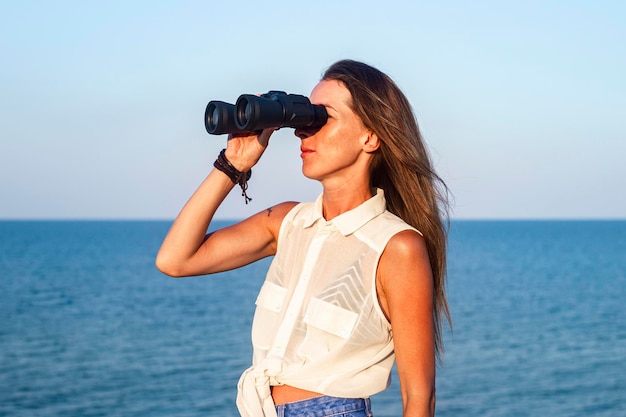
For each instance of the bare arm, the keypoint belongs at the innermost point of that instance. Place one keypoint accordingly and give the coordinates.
(187, 250)
(405, 290)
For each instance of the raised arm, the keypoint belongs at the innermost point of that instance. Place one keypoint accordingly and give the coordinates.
(187, 250)
(405, 290)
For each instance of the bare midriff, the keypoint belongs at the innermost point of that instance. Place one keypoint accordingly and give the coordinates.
(283, 394)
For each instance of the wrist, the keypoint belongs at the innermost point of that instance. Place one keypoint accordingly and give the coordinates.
(235, 161)
(237, 177)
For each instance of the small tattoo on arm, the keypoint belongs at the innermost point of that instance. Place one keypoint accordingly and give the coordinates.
(269, 211)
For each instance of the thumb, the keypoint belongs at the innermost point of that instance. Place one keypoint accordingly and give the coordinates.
(264, 137)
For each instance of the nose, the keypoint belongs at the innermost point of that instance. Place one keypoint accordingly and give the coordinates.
(301, 133)
(305, 132)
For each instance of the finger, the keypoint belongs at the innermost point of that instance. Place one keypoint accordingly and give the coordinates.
(264, 137)
(241, 134)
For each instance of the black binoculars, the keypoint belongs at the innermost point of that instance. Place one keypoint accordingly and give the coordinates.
(253, 113)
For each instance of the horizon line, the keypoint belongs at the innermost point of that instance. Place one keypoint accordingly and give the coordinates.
(163, 219)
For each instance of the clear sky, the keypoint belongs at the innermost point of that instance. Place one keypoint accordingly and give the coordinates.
(523, 104)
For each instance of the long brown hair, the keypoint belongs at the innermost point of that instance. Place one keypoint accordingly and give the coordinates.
(402, 167)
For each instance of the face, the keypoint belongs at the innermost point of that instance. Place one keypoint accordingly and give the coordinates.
(339, 150)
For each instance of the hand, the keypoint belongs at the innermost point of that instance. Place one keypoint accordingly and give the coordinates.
(243, 150)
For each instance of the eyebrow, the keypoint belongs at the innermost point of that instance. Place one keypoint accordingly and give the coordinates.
(328, 106)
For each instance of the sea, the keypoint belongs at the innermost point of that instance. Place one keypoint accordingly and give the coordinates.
(89, 327)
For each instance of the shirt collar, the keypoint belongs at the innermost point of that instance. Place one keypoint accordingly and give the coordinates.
(352, 220)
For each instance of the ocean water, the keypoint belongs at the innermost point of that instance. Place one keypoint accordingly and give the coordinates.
(88, 327)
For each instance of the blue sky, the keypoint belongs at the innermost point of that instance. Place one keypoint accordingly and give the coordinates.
(523, 104)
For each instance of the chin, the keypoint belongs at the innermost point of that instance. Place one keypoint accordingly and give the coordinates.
(310, 174)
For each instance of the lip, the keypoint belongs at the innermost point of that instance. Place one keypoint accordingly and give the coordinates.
(305, 151)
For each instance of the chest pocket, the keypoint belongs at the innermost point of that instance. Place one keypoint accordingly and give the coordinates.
(266, 318)
(328, 327)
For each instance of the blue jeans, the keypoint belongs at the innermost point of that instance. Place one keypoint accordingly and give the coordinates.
(326, 406)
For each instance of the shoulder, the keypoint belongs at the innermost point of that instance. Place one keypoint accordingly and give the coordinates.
(404, 276)
(385, 228)
(273, 216)
(265, 224)
(404, 259)
(407, 245)
(279, 211)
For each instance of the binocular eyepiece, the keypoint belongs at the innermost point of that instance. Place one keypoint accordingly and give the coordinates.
(272, 109)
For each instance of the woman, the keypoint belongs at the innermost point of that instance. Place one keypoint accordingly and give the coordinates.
(366, 258)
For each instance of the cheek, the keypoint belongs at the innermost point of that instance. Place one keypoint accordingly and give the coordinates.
(347, 140)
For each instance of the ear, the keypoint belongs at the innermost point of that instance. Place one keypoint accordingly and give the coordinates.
(371, 142)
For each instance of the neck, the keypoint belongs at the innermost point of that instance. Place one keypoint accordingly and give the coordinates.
(344, 197)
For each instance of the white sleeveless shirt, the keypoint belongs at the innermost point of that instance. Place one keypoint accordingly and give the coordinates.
(318, 325)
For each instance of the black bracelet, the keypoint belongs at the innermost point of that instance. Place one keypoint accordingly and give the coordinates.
(236, 176)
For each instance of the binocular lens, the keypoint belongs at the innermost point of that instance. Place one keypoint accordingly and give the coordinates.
(248, 112)
(243, 113)
(259, 112)
(219, 118)
(213, 118)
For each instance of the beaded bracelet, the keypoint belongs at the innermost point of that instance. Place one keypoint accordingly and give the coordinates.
(236, 176)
